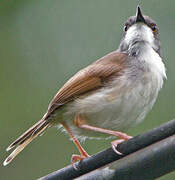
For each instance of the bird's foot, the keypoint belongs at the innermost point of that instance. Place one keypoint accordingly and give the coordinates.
(116, 142)
(76, 158)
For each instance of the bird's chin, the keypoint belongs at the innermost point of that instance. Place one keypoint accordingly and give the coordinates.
(138, 41)
(135, 43)
(141, 43)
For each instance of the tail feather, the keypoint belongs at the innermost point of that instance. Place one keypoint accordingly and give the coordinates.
(26, 138)
(17, 151)
(25, 135)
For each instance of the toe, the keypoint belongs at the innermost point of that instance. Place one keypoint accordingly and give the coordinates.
(76, 158)
(115, 144)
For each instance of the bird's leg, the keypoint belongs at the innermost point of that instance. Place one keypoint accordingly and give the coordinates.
(81, 123)
(83, 153)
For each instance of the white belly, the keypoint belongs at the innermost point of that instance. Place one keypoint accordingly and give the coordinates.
(120, 106)
(118, 113)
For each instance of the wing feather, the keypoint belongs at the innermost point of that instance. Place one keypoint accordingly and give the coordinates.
(92, 77)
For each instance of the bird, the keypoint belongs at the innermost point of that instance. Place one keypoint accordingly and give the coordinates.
(108, 96)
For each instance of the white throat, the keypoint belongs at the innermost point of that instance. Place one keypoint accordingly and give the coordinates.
(139, 32)
(154, 61)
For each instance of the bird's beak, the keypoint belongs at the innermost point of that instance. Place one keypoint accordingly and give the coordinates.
(139, 16)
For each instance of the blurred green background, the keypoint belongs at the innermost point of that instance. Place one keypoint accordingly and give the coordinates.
(43, 43)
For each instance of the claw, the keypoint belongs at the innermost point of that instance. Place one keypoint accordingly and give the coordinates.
(115, 144)
(75, 158)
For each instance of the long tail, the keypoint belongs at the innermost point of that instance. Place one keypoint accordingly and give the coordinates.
(26, 138)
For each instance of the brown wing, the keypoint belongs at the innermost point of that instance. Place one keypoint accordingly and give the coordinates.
(86, 80)
(89, 78)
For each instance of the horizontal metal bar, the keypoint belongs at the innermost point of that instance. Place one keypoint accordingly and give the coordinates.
(108, 156)
(146, 164)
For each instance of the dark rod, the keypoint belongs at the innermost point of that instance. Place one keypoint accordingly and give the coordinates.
(146, 164)
(107, 156)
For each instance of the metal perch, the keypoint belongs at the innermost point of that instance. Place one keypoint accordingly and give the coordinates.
(145, 157)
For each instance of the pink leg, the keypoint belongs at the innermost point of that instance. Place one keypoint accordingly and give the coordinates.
(81, 123)
(106, 131)
(83, 153)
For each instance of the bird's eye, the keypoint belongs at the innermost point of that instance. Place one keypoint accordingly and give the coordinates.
(126, 27)
(154, 28)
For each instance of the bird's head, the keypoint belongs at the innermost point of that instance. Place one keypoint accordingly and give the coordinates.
(138, 29)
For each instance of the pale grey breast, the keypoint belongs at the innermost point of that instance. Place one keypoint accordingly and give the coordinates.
(127, 101)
